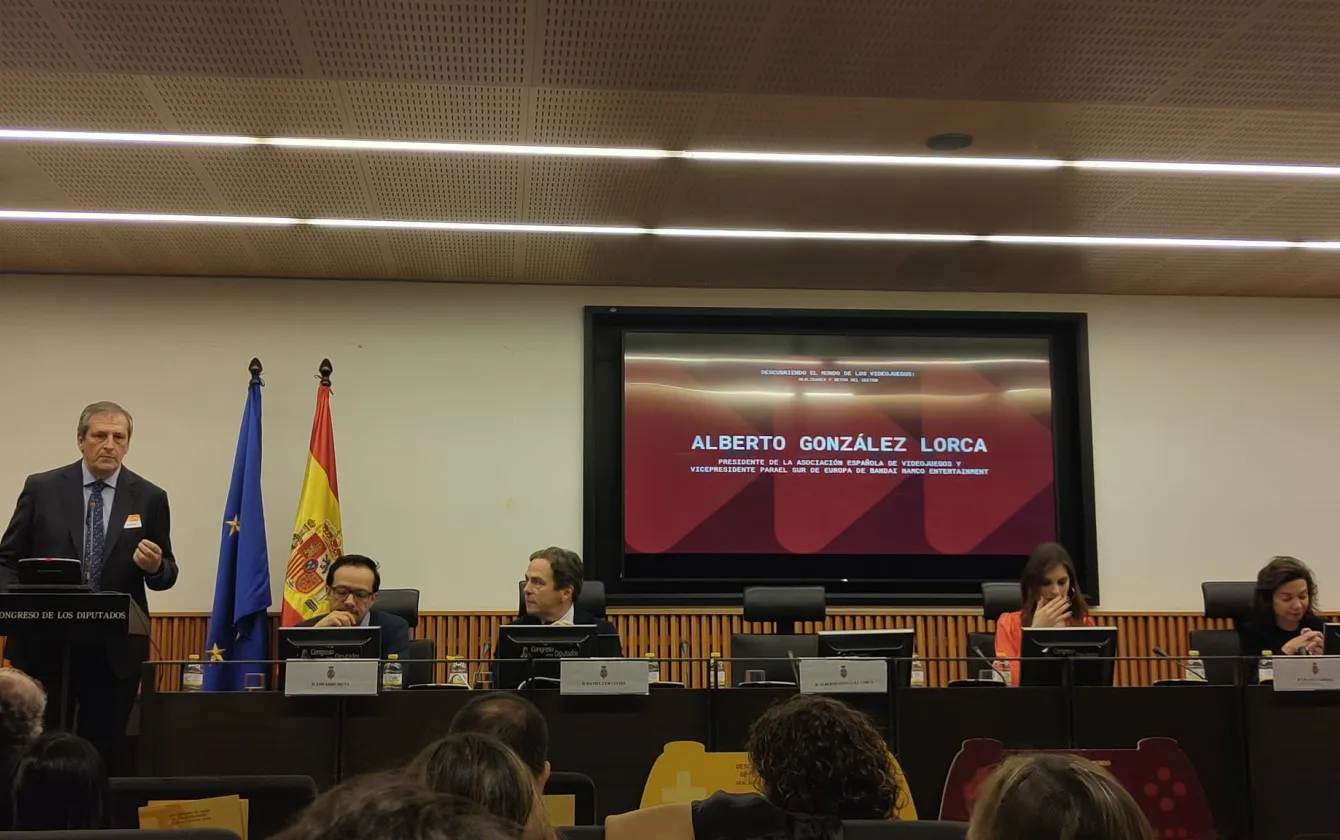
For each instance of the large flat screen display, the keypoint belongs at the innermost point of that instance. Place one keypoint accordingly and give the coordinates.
(759, 444)
(907, 455)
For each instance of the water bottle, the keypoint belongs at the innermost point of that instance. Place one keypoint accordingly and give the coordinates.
(392, 675)
(653, 667)
(918, 672)
(193, 674)
(1004, 666)
(717, 674)
(1265, 668)
(1195, 666)
(457, 673)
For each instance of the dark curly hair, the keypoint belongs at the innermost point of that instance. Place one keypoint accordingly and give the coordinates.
(814, 755)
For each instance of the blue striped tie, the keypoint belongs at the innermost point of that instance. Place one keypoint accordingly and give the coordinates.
(95, 535)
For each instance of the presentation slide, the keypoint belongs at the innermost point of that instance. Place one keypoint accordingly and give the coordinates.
(814, 444)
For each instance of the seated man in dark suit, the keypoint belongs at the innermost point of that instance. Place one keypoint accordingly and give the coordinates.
(352, 582)
(553, 584)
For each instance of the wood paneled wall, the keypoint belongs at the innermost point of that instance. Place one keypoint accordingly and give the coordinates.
(694, 634)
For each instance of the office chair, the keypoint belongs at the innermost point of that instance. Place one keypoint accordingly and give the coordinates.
(1234, 600)
(774, 653)
(418, 665)
(998, 598)
(582, 790)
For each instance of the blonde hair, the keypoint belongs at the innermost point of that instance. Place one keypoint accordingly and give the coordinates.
(1055, 797)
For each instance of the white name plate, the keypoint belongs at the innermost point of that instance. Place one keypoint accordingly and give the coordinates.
(331, 677)
(603, 676)
(1307, 673)
(845, 675)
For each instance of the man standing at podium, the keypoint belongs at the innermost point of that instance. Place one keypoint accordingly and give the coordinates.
(117, 525)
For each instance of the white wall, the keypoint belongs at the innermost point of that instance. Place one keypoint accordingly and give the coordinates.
(458, 418)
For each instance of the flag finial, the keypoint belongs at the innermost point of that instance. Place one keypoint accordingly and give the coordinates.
(255, 367)
(325, 371)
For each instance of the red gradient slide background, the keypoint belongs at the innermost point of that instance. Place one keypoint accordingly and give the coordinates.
(669, 509)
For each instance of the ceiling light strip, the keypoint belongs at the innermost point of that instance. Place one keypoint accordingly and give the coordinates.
(810, 158)
(700, 233)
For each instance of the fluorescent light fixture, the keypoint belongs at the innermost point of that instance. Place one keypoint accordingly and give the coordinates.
(35, 135)
(705, 233)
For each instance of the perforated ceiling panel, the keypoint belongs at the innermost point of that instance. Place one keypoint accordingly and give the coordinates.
(76, 101)
(282, 107)
(650, 44)
(1203, 80)
(219, 37)
(465, 114)
(1085, 51)
(28, 42)
(465, 42)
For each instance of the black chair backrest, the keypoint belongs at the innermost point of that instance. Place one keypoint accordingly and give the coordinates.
(401, 602)
(770, 653)
(592, 598)
(786, 605)
(272, 800)
(1215, 643)
(1229, 598)
(418, 662)
(582, 832)
(898, 829)
(1000, 598)
(582, 790)
(124, 834)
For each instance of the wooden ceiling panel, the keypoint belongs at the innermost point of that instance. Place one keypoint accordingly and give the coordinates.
(581, 260)
(318, 252)
(118, 178)
(577, 191)
(640, 119)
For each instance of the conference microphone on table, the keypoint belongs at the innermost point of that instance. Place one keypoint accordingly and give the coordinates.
(1163, 654)
(977, 649)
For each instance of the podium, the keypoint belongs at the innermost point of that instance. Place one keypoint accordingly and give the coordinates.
(64, 616)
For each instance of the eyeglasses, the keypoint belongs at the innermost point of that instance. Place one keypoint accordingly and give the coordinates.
(342, 593)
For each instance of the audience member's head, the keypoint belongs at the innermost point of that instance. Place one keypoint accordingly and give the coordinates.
(1050, 574)
(59, 783)
(23, 702)
(814, 755)
(1286, 593)
(516, 722)
(1055, 797)
(484, 771)
(389, 807)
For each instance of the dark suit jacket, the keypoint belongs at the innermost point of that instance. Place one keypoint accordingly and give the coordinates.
(395, 631)
(48, 521)
(581, 616)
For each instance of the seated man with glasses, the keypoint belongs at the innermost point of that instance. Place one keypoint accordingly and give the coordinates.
(352, 582)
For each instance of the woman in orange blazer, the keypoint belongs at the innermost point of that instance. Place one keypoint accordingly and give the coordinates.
(1051, 599)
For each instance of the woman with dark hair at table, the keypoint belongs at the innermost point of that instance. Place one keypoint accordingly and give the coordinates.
(815, 762)
(1283, 618)
(60, 783)
(1051, 599)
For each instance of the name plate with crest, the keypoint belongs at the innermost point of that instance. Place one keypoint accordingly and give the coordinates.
(331, 677)
(1307, 673)
(844, 675)
(604, 676)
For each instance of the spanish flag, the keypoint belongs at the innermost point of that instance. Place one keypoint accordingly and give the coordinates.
(317, 536)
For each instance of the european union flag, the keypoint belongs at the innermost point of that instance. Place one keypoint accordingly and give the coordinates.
(237, 627)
